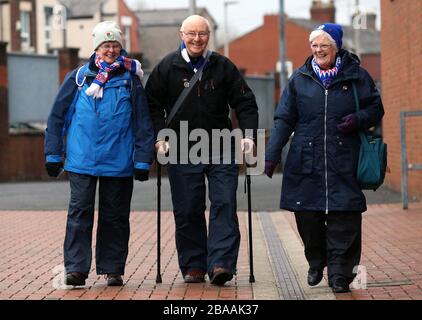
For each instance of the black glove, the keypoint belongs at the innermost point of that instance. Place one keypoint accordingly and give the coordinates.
(54, 168)
(140, 174)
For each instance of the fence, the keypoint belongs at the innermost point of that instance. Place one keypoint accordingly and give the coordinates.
(405, 165)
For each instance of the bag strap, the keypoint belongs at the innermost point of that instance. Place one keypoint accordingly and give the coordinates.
(355, 95)
(363, 136)
(81, 75)
(186, 90)
(377, 131)
(80, 79)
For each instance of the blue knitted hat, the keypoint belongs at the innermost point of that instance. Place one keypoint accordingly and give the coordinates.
(335, 31)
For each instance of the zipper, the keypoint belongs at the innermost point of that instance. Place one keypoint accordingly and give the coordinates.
(325, 139)
(325, 152)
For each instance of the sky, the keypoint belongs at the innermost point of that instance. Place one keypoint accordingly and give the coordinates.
(247, 15)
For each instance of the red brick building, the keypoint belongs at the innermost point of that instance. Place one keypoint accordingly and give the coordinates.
(401, 43)
(257, 52)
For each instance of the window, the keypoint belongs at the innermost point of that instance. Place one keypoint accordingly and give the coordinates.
(127, 38)
(48, 28)
(25, 30)
(126, 23)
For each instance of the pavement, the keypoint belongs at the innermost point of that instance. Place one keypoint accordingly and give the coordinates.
(32, 225)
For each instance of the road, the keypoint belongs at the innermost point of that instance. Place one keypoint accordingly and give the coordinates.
(54, 195)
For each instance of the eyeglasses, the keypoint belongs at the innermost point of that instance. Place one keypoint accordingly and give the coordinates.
(108, 46)
(321, 46)
(192, 34)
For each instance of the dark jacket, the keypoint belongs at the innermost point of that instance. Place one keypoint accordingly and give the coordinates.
(320, 170)
(207, 105)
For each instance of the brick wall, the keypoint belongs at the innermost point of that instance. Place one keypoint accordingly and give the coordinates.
(401, 65)
(68, 60)
(372, 63)
(258, 51)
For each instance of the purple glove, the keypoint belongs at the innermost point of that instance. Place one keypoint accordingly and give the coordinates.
(349, 124)
(270, 167)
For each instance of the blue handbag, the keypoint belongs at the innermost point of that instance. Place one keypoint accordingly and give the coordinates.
(372, 163)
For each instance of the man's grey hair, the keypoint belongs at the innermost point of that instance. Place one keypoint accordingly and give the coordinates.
(188, 19)
(316, 33)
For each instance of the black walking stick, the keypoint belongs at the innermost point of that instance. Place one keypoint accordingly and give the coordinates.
(158, 278)
(248, 187)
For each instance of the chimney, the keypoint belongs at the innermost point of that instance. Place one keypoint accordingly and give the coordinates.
(322, 11)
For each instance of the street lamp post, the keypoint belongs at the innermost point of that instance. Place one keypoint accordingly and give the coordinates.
(357, 27)
(283, 71)
(226, 28)
(192, 7)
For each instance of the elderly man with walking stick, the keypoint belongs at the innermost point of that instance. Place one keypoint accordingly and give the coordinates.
(197, 87)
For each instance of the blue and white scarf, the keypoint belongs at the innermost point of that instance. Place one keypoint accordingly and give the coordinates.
(185, 56)
(326, 76)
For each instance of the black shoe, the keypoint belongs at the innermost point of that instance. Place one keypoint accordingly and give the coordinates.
(314, 276)
(194, 276)
(340, 285)
(114, 280)
(220, 276)
(75, 279)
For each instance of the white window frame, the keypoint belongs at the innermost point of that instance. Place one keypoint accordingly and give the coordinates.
(25, 30)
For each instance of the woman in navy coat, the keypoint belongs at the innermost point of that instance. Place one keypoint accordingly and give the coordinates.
(319, 180)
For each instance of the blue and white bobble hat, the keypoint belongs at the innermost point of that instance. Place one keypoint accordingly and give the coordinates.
(335, 31)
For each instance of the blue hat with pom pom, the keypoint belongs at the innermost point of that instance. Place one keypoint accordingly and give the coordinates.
(335, 31)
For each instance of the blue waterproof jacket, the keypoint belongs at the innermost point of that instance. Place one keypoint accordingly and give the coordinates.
(106, 137)
(320, 170)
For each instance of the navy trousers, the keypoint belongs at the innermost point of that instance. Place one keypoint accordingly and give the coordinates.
(195, 249)
(113, 229)
(333, 240)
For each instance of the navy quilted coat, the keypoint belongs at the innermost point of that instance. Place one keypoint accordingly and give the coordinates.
(320, 170)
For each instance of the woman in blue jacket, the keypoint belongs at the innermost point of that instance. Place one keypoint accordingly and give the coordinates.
(102, 111)
(319, 181)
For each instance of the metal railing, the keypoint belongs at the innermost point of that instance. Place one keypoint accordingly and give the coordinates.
(405, 165)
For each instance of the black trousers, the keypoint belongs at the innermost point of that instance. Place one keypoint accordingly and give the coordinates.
(113, 230)
(333, 240)
(196, 248)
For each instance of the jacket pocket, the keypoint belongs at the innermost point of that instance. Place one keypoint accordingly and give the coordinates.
(302, 157)
(344, 158)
